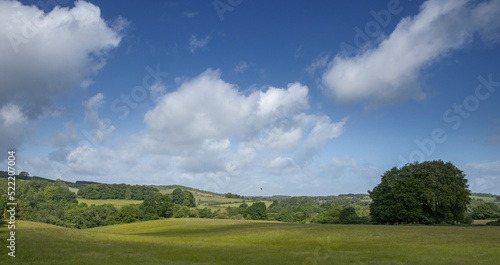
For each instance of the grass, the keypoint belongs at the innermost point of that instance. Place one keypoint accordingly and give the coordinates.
(484, 198)
(203, 241)
(210, 201)
(75, 190)
(117, 203)
(482, 222)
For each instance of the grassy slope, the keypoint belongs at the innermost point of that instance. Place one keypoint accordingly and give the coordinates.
(201, 241)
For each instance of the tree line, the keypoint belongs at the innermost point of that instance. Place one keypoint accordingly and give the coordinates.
(117, 191)
(419, 193)
(46, 202)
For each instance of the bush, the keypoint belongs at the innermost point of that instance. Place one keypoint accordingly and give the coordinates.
(182, 212)
(348, 216)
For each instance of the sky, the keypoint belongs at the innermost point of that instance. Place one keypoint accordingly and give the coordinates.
(250, 97)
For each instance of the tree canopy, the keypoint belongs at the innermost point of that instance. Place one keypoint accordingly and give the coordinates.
(257, 211)
(117, 191)
(428, 193)
(486, 210)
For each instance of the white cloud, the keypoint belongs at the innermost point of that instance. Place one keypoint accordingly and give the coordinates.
(101, 130)
(45, 54)
(210, 144)
(391, 71)
(203, 108)
(483, 176)
(241, 67)
(322, 131)
(208, 127)
(86, 83)
(69, 137)
(157, 90)
(207, 107)
(320, 62)
(282, 165)
(83, 160)
(195, 43)
(283, 140)
(12, 123)
(205, 134)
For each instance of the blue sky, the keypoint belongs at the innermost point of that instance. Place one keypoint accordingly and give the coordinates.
(232, 96)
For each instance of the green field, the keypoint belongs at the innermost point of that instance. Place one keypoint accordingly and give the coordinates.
(204, 241)
(484, 198)
(117, 203)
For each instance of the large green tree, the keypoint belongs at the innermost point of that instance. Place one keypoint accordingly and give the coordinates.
(156, 207)
(429, 192)
(177, 196)
(257, 211)
(188, 199)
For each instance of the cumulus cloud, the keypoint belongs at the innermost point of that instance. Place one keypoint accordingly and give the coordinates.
(207, 124)
(391, 71)
(282, 165)
(322, 131)
(45, 54)
(206, 134)
(207, 107)
(83, 160)
(55, 50)
(195, 43)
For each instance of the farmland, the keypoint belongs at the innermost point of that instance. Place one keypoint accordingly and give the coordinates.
(203, 199)
(204, 241)
(116, 203)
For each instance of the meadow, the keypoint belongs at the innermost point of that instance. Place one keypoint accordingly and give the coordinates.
(212, 241)
(117, 203)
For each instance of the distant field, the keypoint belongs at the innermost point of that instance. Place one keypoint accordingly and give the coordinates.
(482, 222)
(204, 241)
(116, 203)
(484, 198)
(214, 202)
